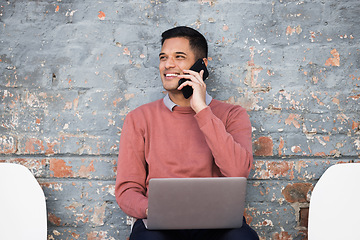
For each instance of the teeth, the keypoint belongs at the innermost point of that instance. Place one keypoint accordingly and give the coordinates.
(171, 75)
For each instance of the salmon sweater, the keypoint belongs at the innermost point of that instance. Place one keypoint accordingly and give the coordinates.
(159, 143)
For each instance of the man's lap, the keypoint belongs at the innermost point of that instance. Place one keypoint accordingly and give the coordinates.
(139, 232)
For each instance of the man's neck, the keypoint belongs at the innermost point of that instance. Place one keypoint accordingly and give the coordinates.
(178, 98)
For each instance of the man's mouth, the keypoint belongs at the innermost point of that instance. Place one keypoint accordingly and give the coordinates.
(171, 75)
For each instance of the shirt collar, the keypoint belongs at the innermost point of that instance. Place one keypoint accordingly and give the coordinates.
(170, 104)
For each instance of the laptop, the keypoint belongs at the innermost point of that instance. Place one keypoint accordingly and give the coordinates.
(196, 203)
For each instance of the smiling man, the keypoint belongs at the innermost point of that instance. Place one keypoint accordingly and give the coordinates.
(178, 137)
(176, 57)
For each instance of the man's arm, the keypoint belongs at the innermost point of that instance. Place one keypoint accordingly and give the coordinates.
(130, 188)
(230, 143)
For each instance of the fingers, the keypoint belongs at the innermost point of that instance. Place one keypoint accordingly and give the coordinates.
(187, 83)
(194, 77)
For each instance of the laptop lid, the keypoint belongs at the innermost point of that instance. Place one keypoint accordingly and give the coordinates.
(196, 203)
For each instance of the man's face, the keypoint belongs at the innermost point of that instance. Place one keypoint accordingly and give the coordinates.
(176, 55)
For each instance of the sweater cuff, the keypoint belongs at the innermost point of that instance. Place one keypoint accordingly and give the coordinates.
(203, 116)
(143, 205)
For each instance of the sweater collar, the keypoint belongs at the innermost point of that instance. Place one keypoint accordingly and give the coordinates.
(170, 104)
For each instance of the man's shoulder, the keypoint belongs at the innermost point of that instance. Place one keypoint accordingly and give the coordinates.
(148, 108)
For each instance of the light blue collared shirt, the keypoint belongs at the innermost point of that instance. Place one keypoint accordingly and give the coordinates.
(170, 104)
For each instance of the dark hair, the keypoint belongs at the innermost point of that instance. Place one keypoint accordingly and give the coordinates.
(197, 41)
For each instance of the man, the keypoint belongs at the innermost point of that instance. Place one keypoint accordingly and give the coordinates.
(177, 137)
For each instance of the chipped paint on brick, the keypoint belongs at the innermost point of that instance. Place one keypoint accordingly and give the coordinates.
(54, 219)
(249, 101)
(253, 71)
(282, 236)
(98, 235)
(290, 31)
(60, 169)
(263, 146)
(293, 119)
(101, 15)
(109, 188)
(99, 215)
(335, 60)
(296, 149)
(273, 169)
(84, 171)
(7, 145)
(297, 192)
(281, 146)
(56, 186)
(34, 145)
(210, 2)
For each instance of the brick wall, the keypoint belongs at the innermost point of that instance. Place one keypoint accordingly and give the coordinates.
(70, 71)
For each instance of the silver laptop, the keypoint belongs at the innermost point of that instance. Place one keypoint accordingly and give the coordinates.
(196, 203)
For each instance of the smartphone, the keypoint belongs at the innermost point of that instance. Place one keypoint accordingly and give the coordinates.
(197, 67)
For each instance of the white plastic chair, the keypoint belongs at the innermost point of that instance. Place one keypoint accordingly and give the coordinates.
(22, 205)
(334, 212)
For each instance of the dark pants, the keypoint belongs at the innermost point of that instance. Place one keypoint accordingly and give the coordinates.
(139, 232)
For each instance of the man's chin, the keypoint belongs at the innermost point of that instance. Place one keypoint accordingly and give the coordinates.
(171, 88)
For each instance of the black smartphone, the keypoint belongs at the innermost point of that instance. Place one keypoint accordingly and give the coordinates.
(197, 67)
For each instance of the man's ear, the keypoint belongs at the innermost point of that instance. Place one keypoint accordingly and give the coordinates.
(205, 61)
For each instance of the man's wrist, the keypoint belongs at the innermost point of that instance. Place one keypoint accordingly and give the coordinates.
(200, 108)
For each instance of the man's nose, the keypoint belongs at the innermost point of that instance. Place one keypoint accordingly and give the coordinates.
(170, 63)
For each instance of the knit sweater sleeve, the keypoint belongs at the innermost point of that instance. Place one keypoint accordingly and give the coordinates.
(230, 142)
(130, 187)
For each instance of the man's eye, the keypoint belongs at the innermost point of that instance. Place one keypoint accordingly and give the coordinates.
(180, 57)
(162, 58)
